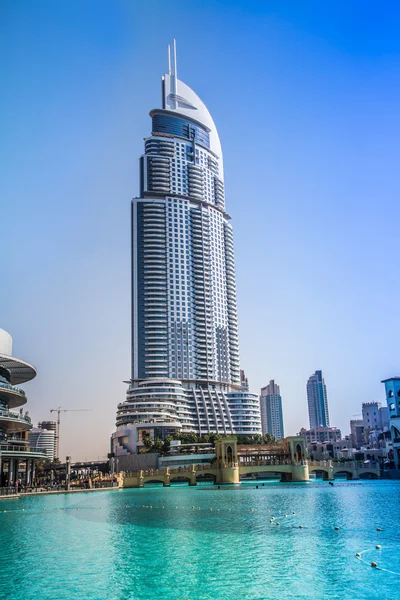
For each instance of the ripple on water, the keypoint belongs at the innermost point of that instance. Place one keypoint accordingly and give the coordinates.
(115, 549)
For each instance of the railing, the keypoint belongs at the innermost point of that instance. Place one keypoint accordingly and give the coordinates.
(348, 464)
(15, 440)
(13, 388)
(269, 463)
(15, 448)
(8, 491)
(354, 465)
(12, 415)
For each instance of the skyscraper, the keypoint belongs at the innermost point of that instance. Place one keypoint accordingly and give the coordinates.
(317, 401)
(271, 410)
(185, 347)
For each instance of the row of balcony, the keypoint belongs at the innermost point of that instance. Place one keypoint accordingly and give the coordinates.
(7, 414)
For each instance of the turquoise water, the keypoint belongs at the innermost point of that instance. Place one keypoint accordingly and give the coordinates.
(112, 548)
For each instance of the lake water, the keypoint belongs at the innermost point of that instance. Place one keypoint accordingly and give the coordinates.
(204, 543)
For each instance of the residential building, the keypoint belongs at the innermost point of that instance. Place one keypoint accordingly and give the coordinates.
(15, 425)
(375, 416)
(50, 426)
(357, 432)
(329, 450)
(271, 410)
(317, 401)
(185, 346)
(321, 434)
(42, 440)
(392, 389)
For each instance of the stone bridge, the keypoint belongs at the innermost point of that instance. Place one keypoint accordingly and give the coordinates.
(230, 465)
(286, 459)
(352, 470)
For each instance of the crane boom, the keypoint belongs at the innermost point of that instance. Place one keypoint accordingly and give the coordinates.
(59, 410)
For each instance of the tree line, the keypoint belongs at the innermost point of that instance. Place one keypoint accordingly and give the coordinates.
(163, 446)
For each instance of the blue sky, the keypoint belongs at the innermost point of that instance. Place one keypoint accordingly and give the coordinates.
(305, 96)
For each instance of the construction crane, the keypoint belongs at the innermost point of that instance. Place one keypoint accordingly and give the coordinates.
(59, 410)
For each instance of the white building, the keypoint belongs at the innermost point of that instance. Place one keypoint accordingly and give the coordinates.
(15, 424)
(321, 434)
(185, 346)
(42, 440)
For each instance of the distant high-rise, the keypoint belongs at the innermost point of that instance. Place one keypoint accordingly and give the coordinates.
(244, 382)
(271, 410)
(42, 440)
(185, 347)
(50, 426)
(317, 401)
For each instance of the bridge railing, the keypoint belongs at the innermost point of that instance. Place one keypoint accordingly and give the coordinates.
(272, 462)
(352, 464)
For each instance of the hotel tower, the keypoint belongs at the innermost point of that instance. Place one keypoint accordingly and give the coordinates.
(185, 346)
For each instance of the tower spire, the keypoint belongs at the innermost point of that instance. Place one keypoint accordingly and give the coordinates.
(169, 59)
(175, 68)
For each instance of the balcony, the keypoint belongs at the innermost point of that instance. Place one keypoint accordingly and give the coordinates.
(11, 421)
(14, 451)
(13, 395)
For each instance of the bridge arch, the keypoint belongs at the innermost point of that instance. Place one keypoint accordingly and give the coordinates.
(349, 474)
(201, 475)
(368, 474)
(325, 471)
(153, 480)
(282, 472)
(179, 479)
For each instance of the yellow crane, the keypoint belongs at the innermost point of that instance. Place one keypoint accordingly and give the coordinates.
(59, 410)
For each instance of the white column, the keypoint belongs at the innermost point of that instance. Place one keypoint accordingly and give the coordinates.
(11, 471)
(16, 469)
(28, 472)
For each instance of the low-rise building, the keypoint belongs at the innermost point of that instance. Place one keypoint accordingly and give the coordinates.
(321, 434)
(329, 450)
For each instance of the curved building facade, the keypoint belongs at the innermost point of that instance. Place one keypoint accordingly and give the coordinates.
(16, 457)
(42, 440)
(184, 314)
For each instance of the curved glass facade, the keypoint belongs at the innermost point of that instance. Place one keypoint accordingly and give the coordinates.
(162, 123)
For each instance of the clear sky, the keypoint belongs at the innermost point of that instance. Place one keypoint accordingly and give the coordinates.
(305, 96)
